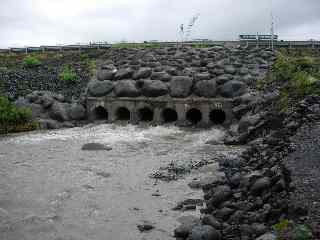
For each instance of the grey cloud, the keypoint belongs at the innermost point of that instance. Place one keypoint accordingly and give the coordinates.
(22, 22)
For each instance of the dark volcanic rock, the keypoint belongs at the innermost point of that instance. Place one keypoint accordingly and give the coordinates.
(180, 86)
(145, 227)
(211, 220)
(77, 112)
(204, 232)
(59, 111)
(123, 74)
(142, 73)
(163, 76)
(95, 147)
(100, 88)
(260, 185)
(220, 194)
(126, 88)
(105, 74)
(154, 88)
(206, 88)
(233, 89)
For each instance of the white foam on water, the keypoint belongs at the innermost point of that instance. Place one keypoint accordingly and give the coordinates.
(104, 133)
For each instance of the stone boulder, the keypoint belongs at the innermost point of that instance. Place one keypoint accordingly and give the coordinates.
(95, 147)
(180, 86)
(100, 88)
(233, 89)
(46, 100)
(220, 195)
(202, 76)
(105, 74)
(77, 112)
(248, 121)
(126, 88)
(154, 88)
(229, 69)
(144, 72)
(222, 79)
(163, 76)
(59, 111)
(206, 88)
(204, 232)
(48, 124)
(125, 73)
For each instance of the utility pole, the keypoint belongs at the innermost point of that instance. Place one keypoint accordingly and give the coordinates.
(272, 32)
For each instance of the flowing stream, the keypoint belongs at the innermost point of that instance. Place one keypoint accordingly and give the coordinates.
(51, 189)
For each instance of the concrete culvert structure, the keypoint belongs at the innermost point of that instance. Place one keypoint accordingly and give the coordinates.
(169, 115)
(217, 116)
(145, 114)
(194, 115)
(100, 113)
(123, 114)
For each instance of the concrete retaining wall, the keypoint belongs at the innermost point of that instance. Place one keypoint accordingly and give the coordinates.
(207, 108)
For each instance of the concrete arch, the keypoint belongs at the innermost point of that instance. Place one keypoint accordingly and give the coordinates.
(217, 116)
(123, 113)
(169, 115)
(100, 113)
(194, 116)
(146, 114)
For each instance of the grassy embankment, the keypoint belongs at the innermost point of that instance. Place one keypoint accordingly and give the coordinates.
(15, 119)
(295, 74)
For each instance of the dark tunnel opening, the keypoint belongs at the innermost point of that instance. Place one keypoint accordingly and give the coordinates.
(100, 113)
(169, 115)
(145, 114)
(217, 116)
(123, 114)
(194, 116)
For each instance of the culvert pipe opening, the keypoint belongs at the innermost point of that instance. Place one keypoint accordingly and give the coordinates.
(100, 113)
(194, 116)
(169, 115)
(145, 115)
(123, 114)
(217, 116)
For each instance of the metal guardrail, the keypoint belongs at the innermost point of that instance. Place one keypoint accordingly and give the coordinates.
(290, 44)
(55, 48)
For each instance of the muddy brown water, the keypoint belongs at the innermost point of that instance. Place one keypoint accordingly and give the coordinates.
(51, 189)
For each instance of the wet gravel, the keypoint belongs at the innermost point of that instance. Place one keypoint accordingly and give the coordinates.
(304, 164)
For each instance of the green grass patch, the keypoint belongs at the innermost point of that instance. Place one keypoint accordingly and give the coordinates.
(67, 74)
(298, 77)
(13, 118)
(286, 230)
(31, 61)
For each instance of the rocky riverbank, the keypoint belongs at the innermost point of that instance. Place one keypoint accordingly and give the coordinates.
(257, 192)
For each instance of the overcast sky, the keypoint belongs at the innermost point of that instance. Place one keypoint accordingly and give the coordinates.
(44, 22)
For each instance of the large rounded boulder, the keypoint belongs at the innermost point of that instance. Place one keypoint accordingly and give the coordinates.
(77, 112)
(59, 111)
(206, 88)
(180, 86)
(233, 89)
(126, 88)
(204, 232)
(105, 74)
(100, 88)
(125, 73)
(154, 88)
(144, 72)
